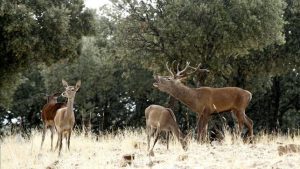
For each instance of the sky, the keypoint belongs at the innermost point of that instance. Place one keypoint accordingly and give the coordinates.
(95, 4)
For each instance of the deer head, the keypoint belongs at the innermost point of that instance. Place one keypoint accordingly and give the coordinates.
(184, 144)
(70, 90)
(52, 98)
(169, 83)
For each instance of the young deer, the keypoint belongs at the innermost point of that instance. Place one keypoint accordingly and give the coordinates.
(48, 114)
(162, 119)
(65, 118)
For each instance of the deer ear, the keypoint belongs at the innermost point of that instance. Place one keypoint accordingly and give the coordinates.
(65, 84)
(56, 94)
(78, 84)
(182, 79)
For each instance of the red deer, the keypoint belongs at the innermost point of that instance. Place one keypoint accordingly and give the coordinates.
(65, 119)
(162, 119)
(48, 114)
(206, 100)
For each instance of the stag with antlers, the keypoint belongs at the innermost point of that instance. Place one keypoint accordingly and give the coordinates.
(206, 100)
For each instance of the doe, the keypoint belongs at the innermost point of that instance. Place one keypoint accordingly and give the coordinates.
(65, 118)
(48, 114)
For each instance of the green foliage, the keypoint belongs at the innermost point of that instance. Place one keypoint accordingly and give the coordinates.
(33, 32)
(291, 49)
(290, 101)
(201, 31)
(28, 100)
(252, 44)
(278, 107)
(108, 94)
(240, 41)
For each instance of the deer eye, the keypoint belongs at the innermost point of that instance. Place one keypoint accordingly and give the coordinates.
(168, 78)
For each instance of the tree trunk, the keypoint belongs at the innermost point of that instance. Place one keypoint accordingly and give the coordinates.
(105, 116)
(171, 103)
(86, 123)
(240, 78)
(82, 120)
(275, 102)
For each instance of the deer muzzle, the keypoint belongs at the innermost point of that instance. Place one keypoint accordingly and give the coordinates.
(156, 78)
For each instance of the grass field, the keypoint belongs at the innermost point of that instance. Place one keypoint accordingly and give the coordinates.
(107, 152)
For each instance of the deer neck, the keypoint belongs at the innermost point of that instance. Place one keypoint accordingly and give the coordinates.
(70, 103)
(52, 101)
(185, 95)
(178, 134)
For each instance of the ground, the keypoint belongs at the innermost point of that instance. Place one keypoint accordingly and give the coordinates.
(108, 152)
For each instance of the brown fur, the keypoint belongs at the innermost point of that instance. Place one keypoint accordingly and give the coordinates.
(49, 110)
(207, 100)
(48, 114)
(162, 119)
(65, 118)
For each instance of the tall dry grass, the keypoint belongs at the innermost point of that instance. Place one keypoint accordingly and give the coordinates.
(107, 152)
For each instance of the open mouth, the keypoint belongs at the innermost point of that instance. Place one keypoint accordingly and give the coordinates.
(155, 84)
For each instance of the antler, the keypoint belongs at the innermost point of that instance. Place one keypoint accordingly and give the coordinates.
(170, 69)
(183, 73)
(180, 73)
(197, 69)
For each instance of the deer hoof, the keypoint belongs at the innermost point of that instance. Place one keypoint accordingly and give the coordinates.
(151, 153)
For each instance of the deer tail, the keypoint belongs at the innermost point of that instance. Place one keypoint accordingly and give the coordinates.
(250, 97)
(147, 111)
(172, 114)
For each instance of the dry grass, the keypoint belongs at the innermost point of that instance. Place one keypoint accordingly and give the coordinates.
(107, 152)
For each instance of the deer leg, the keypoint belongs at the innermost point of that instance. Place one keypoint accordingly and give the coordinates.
(52, 131)
(240, 115)
(198, 128)
(203, 127)
(249, 124)
(156, 138)
(235, 113)
(65, 136)
(57, 142)
(43, 135)
(60, 135)
(148, 132)
(168, 133)
(69, 137)
(199, 123)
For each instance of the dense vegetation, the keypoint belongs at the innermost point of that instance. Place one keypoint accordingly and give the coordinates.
(251, 44)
